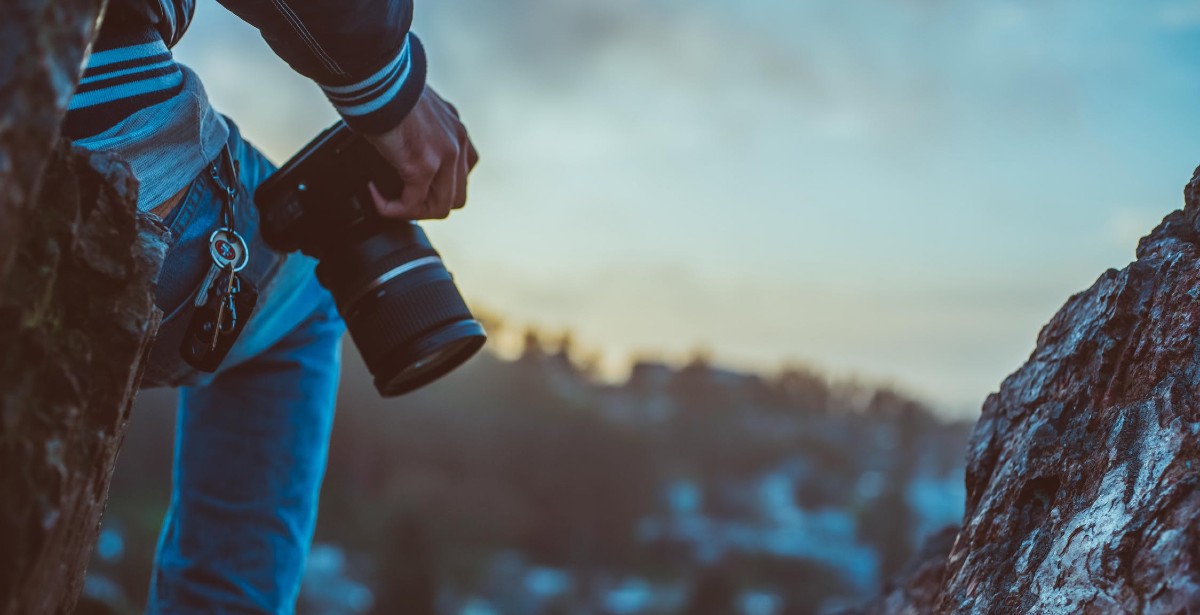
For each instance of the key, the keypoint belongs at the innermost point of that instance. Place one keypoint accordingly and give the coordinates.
(226, 247)
(206, 285)
(223, 303)
(225, 296)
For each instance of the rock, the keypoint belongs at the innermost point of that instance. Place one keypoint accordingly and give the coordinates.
(1083, 471)
(76, 311)
(917, 588)
(42, 43)
(77, 316)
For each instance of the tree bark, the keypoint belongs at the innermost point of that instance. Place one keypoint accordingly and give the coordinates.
(77, 313)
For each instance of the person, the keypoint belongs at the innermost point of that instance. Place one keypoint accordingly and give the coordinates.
(252, 437)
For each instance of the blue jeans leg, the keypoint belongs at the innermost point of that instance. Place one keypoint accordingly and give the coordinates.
(250, 455)
(252, 439)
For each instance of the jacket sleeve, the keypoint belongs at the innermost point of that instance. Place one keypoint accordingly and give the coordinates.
(360, 52)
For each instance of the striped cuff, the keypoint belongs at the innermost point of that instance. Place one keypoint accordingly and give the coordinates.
(379, 102)
(129, 71)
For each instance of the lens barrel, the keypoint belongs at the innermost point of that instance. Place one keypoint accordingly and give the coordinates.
(401, 306)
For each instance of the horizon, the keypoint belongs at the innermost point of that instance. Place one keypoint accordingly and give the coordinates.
(905, 191)
(507, 343)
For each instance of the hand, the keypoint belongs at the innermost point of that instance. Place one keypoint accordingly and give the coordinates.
(433, 154)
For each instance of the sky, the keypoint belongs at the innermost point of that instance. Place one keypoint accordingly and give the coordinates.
(903, 191)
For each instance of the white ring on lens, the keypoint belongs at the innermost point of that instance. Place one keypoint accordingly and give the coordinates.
(389, 276)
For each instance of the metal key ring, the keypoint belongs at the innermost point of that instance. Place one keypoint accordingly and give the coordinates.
(226, 246)
(229, 322)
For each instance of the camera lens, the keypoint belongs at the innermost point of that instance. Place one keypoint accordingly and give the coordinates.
(400, 305)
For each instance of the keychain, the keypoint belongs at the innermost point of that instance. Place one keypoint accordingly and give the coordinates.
(225, 299)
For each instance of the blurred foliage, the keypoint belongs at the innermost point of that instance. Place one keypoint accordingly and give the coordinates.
(529, 486)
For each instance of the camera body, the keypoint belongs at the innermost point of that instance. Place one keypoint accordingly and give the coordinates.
(321, 192)
(399, 302)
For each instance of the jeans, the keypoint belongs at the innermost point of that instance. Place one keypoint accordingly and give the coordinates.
(252, 438)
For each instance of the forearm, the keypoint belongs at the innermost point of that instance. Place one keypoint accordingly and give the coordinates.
(360, 52)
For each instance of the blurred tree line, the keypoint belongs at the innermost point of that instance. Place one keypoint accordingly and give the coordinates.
(536, 459)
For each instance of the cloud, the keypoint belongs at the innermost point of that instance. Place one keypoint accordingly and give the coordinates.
(845, 69)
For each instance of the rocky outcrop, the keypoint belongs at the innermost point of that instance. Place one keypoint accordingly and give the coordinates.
(76, 319)
(42, 43)
(76, 311)
(1083, 476)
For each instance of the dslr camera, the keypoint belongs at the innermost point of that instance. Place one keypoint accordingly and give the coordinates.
(400, 304)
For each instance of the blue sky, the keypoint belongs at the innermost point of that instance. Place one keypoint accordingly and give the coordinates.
(900, 189)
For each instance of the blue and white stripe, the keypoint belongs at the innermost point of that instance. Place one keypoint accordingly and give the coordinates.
(127, 72)
(373, 93)
(132, 69)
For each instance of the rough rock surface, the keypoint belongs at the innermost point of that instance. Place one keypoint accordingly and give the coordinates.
(76, 317)
(1083, 474)
(42, 43)
(76, 311)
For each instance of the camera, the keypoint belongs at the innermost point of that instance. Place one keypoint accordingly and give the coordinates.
(400, 304)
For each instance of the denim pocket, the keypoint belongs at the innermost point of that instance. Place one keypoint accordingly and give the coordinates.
(187, 263)
(184, 267)
(187, 257)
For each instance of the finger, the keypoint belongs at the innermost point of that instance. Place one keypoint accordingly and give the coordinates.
(400, 208)
(463, 168)
(388, 208)
(413, 199)
(444, 192)
(472, 155)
